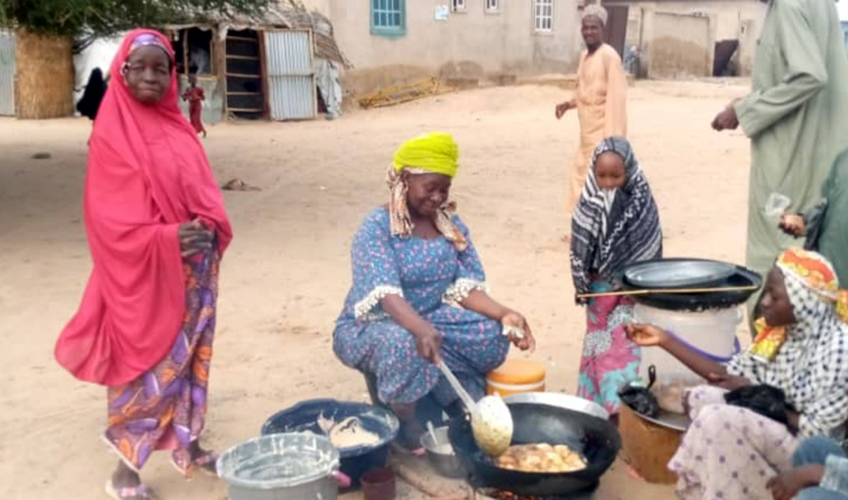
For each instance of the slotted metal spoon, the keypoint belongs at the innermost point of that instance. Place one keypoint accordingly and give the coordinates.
(491, 421)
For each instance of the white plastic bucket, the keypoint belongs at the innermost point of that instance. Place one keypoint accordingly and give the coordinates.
(711, 332)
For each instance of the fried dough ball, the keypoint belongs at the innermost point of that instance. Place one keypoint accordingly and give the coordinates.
(541, 457)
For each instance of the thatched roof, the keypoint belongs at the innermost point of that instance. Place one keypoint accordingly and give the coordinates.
(284, 15)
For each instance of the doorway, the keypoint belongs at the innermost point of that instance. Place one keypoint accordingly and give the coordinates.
(245, 88)
(617, 27)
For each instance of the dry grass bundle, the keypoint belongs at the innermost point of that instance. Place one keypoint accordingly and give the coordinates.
(399, 94)
(45, 76)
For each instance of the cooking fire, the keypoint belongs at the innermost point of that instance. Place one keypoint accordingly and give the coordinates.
(506, 495)
(487, 494)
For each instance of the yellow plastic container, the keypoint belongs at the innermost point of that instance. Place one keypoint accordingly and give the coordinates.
(516, 376)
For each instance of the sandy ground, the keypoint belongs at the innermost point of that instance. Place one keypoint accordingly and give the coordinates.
(285, 277)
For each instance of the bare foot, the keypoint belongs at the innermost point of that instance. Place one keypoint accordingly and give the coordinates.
(410, 429)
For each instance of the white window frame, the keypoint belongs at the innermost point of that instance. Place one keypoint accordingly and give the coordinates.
(459, 5)
(543, 16)
(493, 5)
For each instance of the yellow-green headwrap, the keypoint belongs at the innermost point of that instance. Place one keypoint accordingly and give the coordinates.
(435, 152)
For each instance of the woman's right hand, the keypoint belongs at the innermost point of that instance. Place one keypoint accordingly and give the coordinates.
(429, 344)
(646, 335)
(792, 224)
(194, 238)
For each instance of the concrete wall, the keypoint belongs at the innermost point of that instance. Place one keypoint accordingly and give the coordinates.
(728, 20)
(470, 44)
(681, 45)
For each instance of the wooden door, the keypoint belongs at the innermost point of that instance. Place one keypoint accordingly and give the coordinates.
(617, 27)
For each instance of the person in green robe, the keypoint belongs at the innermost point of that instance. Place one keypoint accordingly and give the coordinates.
(825, 225)
(796, 116)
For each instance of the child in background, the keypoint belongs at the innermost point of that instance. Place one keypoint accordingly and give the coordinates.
(195, 97)
(615, 224)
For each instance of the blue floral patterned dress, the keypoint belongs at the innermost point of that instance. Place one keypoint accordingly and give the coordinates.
(433, 276)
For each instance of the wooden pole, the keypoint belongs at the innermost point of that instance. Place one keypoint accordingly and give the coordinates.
(669, 291)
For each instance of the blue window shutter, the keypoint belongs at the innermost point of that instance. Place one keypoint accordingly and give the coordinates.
(388, 18)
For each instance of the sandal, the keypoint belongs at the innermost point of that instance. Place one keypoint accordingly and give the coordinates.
(140, 491)
(201, 463)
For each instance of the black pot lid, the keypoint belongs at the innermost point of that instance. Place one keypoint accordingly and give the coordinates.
(678, 273)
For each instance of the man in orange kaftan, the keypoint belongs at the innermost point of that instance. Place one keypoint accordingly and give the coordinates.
(601, 100)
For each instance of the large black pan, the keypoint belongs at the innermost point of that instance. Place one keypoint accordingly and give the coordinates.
(595, 438)
(742, 277)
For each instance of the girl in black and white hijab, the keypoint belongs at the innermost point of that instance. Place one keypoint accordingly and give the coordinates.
(616, 222)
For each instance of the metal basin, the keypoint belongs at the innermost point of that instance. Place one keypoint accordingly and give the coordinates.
(446, 463)
(280, 467)
(559, 400)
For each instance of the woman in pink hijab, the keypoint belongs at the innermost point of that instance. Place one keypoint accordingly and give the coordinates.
(157, 228)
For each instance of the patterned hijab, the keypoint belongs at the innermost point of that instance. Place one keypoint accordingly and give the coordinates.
(613, 228)
(813, 289)
(811, 364)
(434, 153)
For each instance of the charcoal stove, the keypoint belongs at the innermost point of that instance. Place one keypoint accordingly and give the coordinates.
(493, 494)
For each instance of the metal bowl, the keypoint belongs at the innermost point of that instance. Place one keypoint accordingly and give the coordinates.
(293, 465)
(560, 400)
(445, 463)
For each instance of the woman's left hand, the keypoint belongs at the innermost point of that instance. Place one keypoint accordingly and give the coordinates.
(524, 342)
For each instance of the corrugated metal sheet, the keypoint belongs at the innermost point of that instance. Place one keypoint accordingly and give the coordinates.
(291, 77)
(7, 74)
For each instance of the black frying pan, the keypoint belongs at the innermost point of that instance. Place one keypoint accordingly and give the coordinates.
(697, 301)
(596, 439)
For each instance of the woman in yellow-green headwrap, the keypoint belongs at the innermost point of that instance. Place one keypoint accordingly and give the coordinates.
(419, 295)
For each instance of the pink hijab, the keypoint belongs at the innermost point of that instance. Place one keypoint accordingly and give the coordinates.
(147, 174)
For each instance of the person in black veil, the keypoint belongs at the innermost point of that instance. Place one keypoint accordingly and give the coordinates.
(93, 94)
